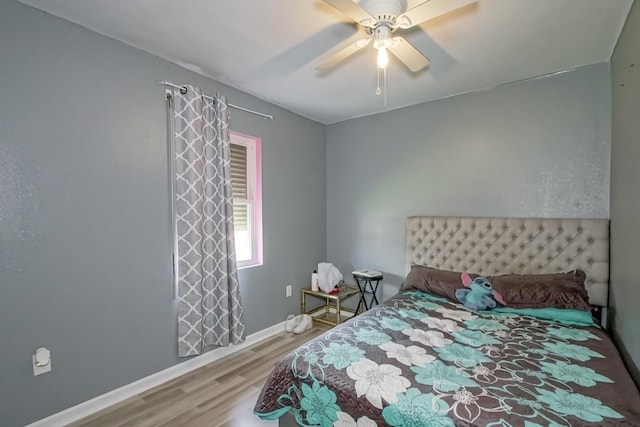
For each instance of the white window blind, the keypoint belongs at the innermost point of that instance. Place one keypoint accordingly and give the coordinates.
(239, 182)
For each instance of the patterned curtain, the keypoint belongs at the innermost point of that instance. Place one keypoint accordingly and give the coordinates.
(209, 308)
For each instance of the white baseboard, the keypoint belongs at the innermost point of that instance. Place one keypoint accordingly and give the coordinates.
(103, 401)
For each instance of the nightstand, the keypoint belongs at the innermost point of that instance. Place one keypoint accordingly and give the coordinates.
(331, 301)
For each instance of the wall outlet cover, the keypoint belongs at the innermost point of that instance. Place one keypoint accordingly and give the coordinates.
(41, 361)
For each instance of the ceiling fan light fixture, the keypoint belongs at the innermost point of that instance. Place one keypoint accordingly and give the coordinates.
(380, 19)
(383, 57)
(382, 41)
(386, 43)
(382, 36)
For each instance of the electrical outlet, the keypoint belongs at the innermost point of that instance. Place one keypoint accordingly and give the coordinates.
(288, 291)
(41, 361)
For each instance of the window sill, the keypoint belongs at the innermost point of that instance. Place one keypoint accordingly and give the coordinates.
(242, 265)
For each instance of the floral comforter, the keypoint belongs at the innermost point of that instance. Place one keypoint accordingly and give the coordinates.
(414, 361)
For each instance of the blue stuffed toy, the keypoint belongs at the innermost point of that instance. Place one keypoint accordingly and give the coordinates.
(479, 295)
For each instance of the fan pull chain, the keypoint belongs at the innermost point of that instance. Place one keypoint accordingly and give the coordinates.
(385, 87)
(384, 84)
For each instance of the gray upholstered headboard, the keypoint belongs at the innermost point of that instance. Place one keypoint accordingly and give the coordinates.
(491, 246)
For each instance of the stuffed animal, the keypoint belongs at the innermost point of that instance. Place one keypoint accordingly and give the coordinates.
(480, 294)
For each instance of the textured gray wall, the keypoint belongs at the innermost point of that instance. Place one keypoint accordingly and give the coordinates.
(535, 148)
(625, 194)
(84, 228)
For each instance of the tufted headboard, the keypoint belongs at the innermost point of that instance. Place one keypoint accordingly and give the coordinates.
(492, 246)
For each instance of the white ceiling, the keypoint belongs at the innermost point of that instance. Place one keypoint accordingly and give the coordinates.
(270, 48)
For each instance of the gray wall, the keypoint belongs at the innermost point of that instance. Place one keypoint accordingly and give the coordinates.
(534, 148)
(625, 194)
(84, 228)
(84, 225)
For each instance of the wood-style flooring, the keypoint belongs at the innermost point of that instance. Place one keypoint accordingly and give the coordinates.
(222, 393)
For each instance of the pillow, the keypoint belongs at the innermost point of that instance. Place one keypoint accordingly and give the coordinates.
(561, 290)
(441, 283)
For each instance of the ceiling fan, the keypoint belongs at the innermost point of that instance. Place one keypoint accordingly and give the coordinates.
(380, 19)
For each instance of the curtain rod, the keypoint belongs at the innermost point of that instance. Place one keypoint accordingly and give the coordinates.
(183, 90)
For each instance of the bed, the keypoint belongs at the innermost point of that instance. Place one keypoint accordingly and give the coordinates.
(421, 358)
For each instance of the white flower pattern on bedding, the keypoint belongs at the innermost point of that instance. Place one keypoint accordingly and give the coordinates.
(456, 314)
(377, 382)
(411, 355)
(445, 325)
(428, 338)
(346, 420)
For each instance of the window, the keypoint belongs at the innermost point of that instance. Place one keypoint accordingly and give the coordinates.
(247, 198)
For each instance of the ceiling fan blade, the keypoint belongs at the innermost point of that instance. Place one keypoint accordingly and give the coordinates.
(340, 56)
(352, 10)
(428, 10)
(409, 55)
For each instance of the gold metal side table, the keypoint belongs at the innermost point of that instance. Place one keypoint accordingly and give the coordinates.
(331, 301)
